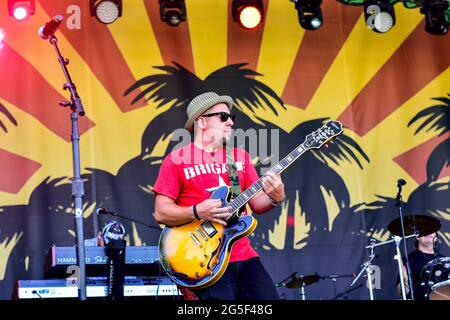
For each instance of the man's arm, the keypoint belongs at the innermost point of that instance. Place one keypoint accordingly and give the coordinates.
(405, 281)
(169, 213)
(273, 192)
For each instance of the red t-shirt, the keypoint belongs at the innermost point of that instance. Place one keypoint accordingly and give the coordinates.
(189, 175)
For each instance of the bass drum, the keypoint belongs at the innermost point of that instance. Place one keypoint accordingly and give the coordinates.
(436, 277)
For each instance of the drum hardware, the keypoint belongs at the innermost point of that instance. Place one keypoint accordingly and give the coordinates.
(346, 292)
(367, 265)
(334, 278)
(300, 282)
(435, 276)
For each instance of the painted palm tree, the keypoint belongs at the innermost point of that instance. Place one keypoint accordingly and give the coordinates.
(28, 231)
(178, 86)
(436, 117)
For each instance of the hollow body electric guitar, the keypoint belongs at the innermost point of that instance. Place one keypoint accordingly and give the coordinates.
(196, 254)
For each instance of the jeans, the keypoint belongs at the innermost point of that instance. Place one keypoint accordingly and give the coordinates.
(243, 280)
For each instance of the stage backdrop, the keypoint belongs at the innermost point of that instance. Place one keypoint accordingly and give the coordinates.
(135, 77)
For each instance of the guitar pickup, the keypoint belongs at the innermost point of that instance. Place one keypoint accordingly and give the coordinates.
(202, 234)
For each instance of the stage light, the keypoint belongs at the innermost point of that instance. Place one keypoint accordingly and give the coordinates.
(437, 16)
(248, 13)
(21, 10)
(106, 11)
(172, 12)
(379, 15)
(309, 13)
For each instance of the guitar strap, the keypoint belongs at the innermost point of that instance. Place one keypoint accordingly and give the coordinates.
(233, 174)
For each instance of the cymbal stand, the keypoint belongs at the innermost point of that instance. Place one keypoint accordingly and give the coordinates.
(301, 295)
(366, 267)
(397, 257)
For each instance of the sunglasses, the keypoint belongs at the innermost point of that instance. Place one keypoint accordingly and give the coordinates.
(223, 116)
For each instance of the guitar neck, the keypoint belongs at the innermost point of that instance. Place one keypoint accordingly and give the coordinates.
(257, 186)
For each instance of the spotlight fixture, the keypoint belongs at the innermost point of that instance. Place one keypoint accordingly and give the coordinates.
(309, 13)
(437, 16)
(248, 13)
(106, 11)
(173, 12)
(379, 15)
(21, 10)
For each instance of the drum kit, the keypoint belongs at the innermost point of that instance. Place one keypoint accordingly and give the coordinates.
(435, 274)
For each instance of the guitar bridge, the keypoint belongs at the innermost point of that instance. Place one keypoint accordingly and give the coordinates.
(197, 242)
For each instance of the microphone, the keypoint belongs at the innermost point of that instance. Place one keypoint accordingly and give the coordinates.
(400, 182)
(50, 27)
(104, 211)
(285, 281)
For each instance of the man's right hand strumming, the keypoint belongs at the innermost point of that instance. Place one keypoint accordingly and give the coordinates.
(211, 210)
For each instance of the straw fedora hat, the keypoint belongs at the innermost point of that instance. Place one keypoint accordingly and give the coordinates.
(203, 102)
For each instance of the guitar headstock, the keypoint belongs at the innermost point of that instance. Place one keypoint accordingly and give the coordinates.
(328, 131)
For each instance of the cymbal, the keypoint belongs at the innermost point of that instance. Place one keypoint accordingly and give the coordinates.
(424, 225)
(303, 281)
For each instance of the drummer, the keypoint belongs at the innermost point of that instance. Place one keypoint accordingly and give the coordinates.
(426, 250)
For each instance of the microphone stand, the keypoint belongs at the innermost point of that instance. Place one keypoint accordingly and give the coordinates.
(115, 214)
(400, 206)
(77, 183)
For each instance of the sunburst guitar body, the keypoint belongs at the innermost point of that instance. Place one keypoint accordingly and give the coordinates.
(196, 254)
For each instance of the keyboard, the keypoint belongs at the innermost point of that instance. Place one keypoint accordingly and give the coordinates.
(139, 261)
(96, 287)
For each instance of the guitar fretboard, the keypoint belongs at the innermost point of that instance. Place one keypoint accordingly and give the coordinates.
(312, 140)
(257, 186)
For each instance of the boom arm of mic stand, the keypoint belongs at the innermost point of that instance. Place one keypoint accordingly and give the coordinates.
(75, 104)
(134, 220)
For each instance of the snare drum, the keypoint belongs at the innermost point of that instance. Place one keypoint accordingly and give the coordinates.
(436, 277)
